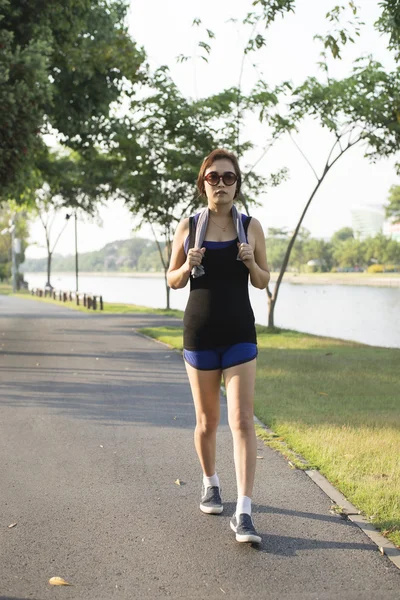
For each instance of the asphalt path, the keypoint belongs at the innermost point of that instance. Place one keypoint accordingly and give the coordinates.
(96, 427)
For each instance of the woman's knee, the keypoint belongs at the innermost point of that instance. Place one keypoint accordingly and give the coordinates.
(206, 425)
(241, 422)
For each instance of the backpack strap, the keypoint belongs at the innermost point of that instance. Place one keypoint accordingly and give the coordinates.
(246, 224)
(192, 232)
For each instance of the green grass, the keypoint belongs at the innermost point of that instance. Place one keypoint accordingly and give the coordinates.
(5, 289)
(337, 404)
(173, 336)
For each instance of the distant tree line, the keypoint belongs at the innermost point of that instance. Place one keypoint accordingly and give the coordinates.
(138, 254)
(342, 251)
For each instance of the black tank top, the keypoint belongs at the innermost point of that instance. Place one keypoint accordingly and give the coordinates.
(218, 312)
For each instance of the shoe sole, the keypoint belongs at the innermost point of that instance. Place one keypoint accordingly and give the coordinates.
(211, 510)
(248, 537)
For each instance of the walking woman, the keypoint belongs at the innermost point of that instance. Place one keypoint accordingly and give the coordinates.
(218, 249)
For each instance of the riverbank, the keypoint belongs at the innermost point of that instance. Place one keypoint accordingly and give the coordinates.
(369, 279)
(335, 403)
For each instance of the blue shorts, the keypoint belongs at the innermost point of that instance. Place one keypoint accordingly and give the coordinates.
(222, 357)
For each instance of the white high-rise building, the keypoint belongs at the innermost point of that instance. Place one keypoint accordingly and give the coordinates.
(367, 220)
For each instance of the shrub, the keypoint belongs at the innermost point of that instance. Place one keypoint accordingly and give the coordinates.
(375, 269)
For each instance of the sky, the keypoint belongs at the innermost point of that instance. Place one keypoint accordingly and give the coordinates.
(165, 31)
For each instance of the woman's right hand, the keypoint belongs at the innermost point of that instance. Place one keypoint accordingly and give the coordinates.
(194, 258)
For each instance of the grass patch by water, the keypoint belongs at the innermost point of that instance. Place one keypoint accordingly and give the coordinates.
(337, 404)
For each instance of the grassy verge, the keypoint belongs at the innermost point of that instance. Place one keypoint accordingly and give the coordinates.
(337, 404)
(109, 307)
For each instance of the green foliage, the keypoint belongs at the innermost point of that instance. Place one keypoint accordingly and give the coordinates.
(158, 165)
(21, 233)
(342, 251)
(340, 35)
(62, 65)
(389, 23)
(341, 235)
(348, 253)
(393, 208)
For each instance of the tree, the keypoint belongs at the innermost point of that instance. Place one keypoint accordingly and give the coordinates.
(349, 253)
(341, 235)
(381, 249)
(361, 108)
(21, 220)
(62, 65)
(393, 208)
(320, 251)
(156, 168)
(69, 182)
(47, 209)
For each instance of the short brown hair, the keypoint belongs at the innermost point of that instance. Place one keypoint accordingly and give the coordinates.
(218, 154)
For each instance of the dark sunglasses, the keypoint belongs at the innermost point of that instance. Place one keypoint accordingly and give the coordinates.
(214, 178)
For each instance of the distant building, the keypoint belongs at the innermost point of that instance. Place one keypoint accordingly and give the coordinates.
(367, 221)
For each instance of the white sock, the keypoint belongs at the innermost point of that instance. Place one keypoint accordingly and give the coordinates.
(243, 505)
(210, 481)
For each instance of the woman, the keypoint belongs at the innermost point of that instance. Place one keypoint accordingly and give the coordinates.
(217, 250)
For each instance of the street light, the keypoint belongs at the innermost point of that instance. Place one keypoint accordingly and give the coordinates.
(76, 247)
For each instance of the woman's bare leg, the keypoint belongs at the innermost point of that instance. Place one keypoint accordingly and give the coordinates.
(239, 383)
(205, 386)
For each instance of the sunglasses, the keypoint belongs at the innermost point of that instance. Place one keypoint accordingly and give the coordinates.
(214, 178)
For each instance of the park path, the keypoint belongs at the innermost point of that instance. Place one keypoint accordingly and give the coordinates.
(96, 426)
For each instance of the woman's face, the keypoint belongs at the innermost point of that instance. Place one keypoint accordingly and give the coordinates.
(220, 194)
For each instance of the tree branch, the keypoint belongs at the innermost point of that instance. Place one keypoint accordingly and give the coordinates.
(303, 155)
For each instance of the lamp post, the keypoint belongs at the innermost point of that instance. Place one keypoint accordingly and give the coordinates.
(76, 250)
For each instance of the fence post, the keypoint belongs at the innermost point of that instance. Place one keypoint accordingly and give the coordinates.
(94, 302)
(101, 303)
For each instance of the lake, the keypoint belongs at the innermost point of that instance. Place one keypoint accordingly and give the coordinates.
(366, 314)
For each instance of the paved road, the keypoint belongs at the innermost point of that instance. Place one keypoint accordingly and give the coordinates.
(96, 424)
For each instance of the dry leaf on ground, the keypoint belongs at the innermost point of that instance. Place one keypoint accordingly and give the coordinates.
(178, 482)
(58, 581)
(11, 525)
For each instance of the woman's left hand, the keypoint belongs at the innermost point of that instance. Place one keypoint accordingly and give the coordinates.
(246, 253)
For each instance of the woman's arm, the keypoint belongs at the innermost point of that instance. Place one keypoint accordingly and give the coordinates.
(254, 255)
(181, 265)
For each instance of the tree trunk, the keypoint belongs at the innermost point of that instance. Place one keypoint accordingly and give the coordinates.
(271, 310)
(48, 269)
(273, 297)
(167, 289)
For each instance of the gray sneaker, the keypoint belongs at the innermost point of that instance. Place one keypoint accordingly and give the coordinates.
(211, 502)
(244, 529)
